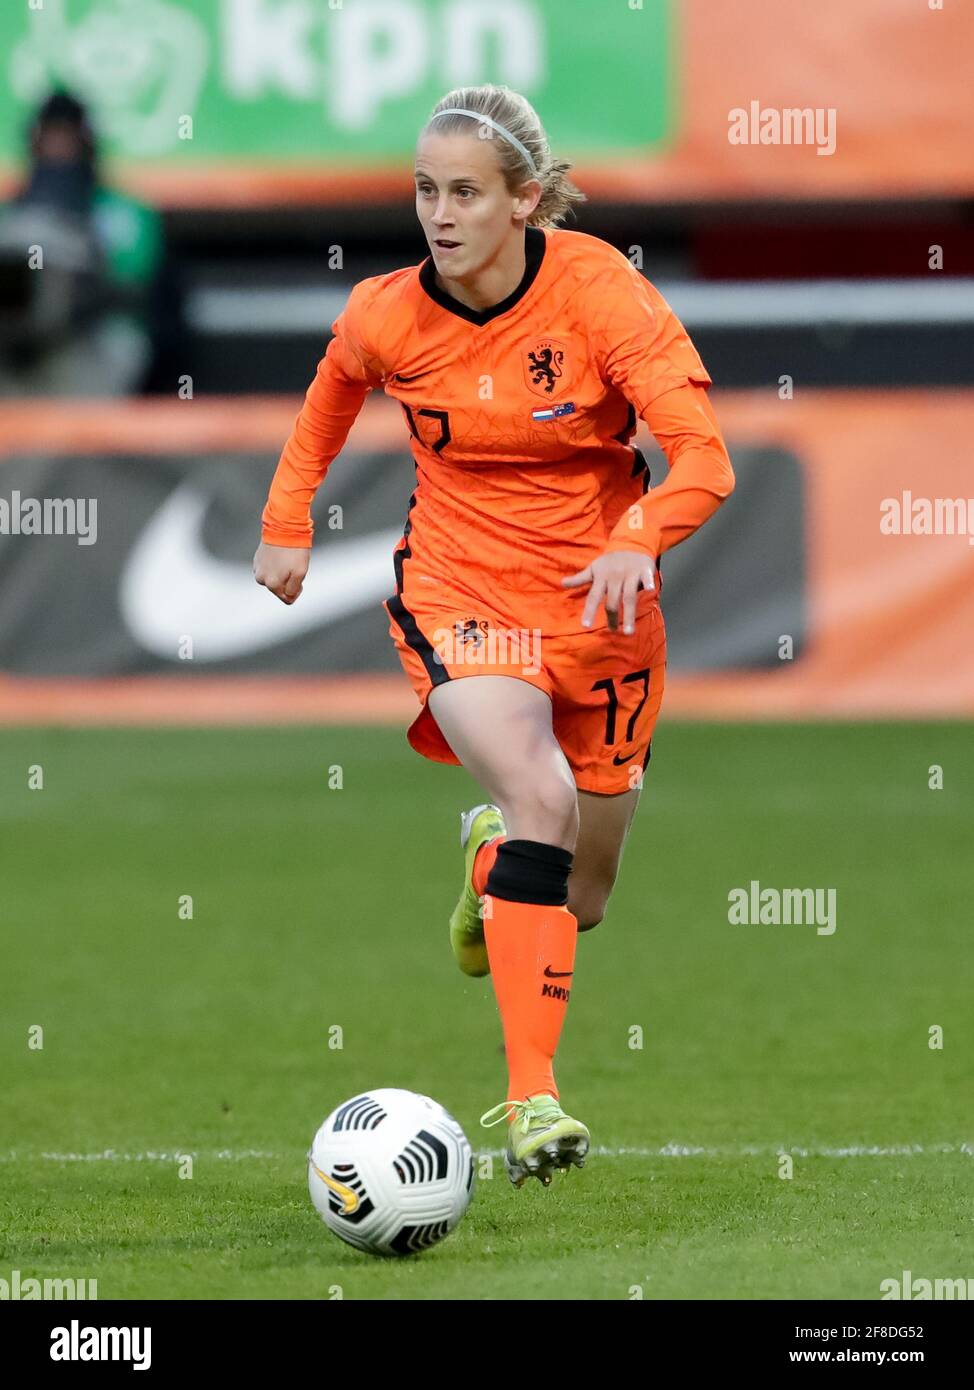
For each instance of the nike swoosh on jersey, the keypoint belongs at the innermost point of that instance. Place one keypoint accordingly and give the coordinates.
(171, 587)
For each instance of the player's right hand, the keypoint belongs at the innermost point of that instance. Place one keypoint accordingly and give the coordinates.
(282, 568)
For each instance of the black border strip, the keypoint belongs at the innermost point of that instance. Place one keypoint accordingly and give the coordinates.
(415, 639)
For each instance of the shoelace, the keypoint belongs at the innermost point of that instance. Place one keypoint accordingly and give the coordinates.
(524, 1112)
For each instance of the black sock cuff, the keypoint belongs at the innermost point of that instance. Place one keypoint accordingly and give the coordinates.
(531, 871)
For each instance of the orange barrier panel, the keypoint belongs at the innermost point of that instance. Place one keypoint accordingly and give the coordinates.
(891, 623)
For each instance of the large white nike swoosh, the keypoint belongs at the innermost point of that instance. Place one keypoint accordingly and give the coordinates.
(171, 587)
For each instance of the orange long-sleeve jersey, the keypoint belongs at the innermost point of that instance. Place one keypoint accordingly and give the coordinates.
(519, 418)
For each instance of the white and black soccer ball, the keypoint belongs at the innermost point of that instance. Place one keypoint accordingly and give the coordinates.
(391, 1172)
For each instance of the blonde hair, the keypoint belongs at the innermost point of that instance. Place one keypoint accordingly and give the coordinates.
(519, 118)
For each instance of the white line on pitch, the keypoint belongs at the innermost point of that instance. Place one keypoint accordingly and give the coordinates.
(671, 1150)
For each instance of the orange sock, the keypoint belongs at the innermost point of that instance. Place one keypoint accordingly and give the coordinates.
(483, 862)
(531, 949)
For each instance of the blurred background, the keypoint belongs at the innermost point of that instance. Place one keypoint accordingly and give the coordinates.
(191, 189)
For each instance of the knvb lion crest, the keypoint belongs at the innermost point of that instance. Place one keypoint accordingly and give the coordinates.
(471, 630)
(546, 367)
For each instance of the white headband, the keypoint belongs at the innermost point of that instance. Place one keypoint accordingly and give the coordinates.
(489, 120)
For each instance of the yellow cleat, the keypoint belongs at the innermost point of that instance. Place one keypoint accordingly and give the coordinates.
(541, 1140)
(477, 827)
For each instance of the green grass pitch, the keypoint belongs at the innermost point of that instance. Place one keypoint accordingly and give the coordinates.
(317, 906)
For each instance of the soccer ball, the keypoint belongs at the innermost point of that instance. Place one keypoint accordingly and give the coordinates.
(391, 1172)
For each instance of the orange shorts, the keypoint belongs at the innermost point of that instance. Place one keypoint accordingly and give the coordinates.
(605, 687)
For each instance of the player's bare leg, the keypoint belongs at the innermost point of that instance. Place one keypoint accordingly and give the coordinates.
(500, 728)
(604, 824)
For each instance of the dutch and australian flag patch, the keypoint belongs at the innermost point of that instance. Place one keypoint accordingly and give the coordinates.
(553, 412)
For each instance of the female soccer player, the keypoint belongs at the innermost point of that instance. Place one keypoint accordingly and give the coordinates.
(520, 354)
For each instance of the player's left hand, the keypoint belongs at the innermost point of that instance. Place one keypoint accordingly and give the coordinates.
(614, 575)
